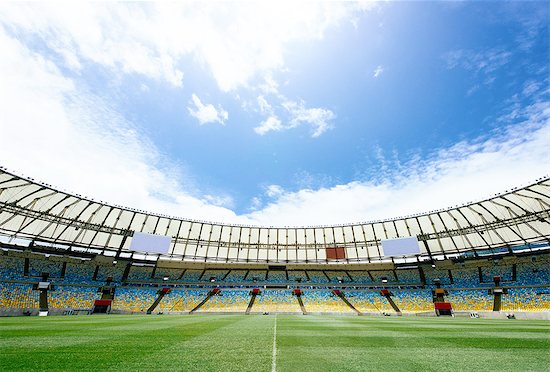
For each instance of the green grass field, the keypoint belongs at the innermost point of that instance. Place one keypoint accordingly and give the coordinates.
(266, 343)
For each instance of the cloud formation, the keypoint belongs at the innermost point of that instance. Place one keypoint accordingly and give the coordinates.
(207, 113)
(234, 41)
(465, 172)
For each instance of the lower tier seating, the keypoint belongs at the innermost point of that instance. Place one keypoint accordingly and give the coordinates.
(275, 300)
(227, 301)
(324, 301)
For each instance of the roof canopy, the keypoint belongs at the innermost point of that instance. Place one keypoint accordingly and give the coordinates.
(34, 211)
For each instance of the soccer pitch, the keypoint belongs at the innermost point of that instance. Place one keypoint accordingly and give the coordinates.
(207, 342)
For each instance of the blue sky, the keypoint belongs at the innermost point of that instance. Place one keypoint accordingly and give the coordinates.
(284, 113)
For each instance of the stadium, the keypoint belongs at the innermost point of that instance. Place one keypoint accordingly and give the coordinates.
(275, 186)
(67, 255)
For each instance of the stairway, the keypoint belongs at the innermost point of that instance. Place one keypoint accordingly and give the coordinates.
(210, 294)
(161, 295)
(343, 298)
(251, 303)
(393, 305)
(299, 297)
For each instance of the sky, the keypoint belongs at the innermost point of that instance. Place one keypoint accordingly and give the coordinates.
(284, 113)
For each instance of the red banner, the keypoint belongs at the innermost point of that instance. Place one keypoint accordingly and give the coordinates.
(102, 302)
(443, 306)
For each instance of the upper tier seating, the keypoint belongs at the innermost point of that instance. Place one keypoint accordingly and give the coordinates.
(218, 275)
(172, 274)
(297, 276)
(337, 276)
(37, 266)
(317, 276)
(379, 275)
(79, 273)
(360, 276)
(276, 276)
(235, 276)
(256, 276)
(11, 268)
(191, 275)
(115, 272)
(408, 276)
(140, 273)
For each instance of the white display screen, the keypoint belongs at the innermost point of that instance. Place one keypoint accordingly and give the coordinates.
(150, 243)
(400, 246)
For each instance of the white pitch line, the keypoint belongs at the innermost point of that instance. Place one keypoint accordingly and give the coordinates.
(274, 356)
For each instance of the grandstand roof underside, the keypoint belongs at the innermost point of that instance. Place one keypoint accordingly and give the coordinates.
(37, 212)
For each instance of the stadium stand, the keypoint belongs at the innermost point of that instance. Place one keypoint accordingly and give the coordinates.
(413, 301)
(77, 290)
(274, 300)
(115, 272)
(227, 301)
(140, 273)
(11, 268)
(408, 276)
(18, 296)
(470, 300)
(324, 302)
(172, 274)
(38, 265)
(217, 275)
(317, 276)
(235, 276)
(337, 276)
(134, 299)
(182, 300)
(256, 276)
(379, 275)
(526, 299)
(79, 272)
(360, 276)
(501, 270)
(369, 301)
(533, 272)
(191, 276)
(73, 297)
(297, 276)
(276, 277)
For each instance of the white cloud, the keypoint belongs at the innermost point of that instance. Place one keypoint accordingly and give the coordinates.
(486, 61)
(318, 118)
(378, 71)
(272, 123)
(274, 190)
(207, 113)
(465, 172)
(69, 135)
(235, 41)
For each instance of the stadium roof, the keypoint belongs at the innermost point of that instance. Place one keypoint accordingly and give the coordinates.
(42, 214)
